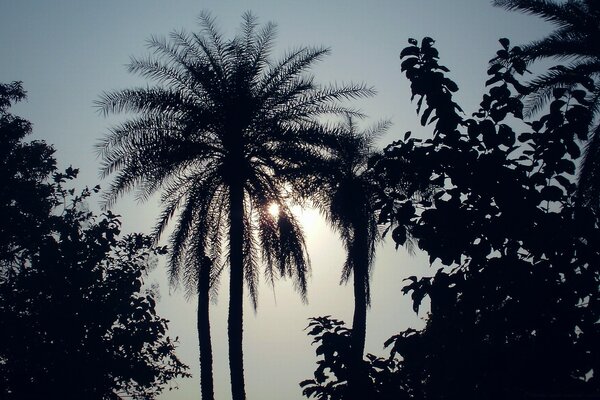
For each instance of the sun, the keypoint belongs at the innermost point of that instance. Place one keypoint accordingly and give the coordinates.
(274, 210)
(307, 217)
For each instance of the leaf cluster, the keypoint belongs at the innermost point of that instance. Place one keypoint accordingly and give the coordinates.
(330, 380)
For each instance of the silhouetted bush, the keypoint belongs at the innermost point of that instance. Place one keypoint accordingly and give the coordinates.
(77, 321)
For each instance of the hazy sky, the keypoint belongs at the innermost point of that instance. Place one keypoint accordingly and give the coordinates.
(67, 52)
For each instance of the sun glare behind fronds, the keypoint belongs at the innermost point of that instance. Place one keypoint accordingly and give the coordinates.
(274, 210)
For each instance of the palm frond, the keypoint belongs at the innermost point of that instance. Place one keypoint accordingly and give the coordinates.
(293, 257)
(541, 91)
(560, 44)
(293, 64)
(542, 87)
(562, 14)
(323, 101)
(250, 260)
(262, 47)
(154, 100)
(211, 42)
(269, 240)
(169, 64)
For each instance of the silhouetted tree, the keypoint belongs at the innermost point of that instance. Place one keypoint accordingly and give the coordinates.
(216, 135)
(77, 322)
(345, 193)
(514, 306)
(26, 194)
(576, 38)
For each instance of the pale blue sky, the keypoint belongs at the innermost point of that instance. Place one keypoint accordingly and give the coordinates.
(67, 52)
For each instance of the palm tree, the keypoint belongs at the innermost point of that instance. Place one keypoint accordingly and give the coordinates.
(346, 196)
(216, 135)
(577, 38)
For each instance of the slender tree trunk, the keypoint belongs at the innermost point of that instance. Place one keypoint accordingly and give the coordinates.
(359, 322)
(235, 320)
(204, 341)
(357, 374)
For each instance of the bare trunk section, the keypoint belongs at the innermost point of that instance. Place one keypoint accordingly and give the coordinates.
(357, 373)
(204, 340)
(359, 322)
(235, 320)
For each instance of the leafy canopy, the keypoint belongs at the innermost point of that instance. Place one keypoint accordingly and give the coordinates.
(77, 320)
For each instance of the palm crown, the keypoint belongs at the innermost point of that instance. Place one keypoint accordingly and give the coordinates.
(347, 195)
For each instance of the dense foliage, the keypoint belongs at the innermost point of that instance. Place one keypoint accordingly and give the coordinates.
(334, 368)
(26, 196)
(77, 320)
(515, 301)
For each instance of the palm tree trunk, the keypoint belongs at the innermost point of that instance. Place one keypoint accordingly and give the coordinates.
(204, 341)
(235, 320)
(357, 382)
(359, 322)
